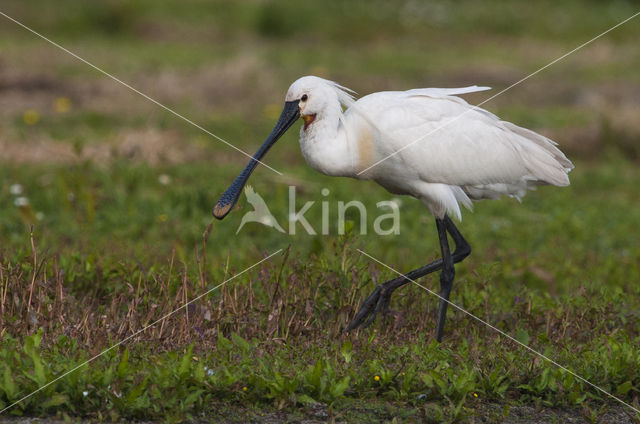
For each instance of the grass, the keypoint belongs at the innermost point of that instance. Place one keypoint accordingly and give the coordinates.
(554, 272)
(107, 228)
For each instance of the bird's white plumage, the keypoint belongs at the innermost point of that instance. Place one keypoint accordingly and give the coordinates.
(433, 146)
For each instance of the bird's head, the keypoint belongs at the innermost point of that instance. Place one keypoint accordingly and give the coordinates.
(308, 97)
(315, 96)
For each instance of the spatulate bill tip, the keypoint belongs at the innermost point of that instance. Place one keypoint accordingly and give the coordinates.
(220, 210)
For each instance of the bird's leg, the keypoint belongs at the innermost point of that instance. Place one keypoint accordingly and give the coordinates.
(463, 249)
(448, 270)
(446, 277)
(379, 299)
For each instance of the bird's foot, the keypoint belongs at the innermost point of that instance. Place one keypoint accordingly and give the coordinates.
(372, 305)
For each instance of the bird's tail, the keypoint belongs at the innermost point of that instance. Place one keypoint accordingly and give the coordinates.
(541, 156)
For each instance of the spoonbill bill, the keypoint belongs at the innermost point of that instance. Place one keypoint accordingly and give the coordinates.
(426, 143)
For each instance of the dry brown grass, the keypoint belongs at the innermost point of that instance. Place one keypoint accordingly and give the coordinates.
(286, 301)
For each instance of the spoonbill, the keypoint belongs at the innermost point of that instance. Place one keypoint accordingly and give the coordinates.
(426, 143)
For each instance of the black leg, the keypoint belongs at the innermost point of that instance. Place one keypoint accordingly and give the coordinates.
(448, 270)
(379, 299)
(446, 278)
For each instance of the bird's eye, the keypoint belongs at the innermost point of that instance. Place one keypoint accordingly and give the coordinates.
(304, 97)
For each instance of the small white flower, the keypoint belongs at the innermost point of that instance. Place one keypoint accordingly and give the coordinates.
(16, 189)
(164, 179)
(85, 393)
(21, 201)
(210, 373)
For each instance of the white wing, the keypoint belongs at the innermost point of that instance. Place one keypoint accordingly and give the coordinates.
(443, 139)
(438, 148)
(441, 92)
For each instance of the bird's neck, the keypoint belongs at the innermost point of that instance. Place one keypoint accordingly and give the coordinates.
(324, 144)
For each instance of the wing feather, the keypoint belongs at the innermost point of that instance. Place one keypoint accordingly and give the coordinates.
(442, 139)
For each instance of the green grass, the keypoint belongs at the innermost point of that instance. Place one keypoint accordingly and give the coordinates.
(555, 272)
(117, 231)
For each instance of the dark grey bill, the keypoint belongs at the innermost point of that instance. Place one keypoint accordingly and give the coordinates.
(289, 115)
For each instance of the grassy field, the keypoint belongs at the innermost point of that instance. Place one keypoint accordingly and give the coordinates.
(106, 227)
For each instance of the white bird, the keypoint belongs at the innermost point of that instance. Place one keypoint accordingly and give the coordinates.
(426, 143)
